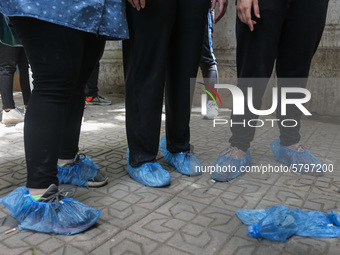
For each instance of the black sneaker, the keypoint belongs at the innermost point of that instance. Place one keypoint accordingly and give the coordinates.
(98, 100)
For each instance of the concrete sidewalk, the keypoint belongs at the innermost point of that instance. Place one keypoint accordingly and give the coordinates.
(193, 215)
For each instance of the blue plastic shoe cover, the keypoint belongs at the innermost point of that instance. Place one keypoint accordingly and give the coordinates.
(79, 174)
(304, 161)
(251, 216)
(334, 217)
(314, 224)
(228, 168)
(184, 162)
(71, 217)
(276, 226)
(149, 174)
(265, 223)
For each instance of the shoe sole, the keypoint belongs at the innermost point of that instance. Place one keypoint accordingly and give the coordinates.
(92, 184)
(5, 122)
(99, 103)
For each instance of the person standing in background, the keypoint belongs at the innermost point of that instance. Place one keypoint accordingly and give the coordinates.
(208, 64)
(12, 54)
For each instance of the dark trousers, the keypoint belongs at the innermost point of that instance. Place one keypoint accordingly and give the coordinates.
(91, 88)
(10, 57)
(164, 49)
(288, 32)
(208, 63)
(62, 60)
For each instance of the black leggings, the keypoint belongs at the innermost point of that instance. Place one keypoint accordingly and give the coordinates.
(289, 31)
(9, 58)
(164, 48)
(62, 59)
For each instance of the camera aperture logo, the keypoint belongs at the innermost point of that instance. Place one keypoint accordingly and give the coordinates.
(239, 105)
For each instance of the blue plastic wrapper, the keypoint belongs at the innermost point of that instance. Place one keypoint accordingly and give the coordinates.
(78, 174)
(185, 162)
(251, 216)
(229, 168)
(304, 161)
(71, 217)
(334, 217)
(278, 223)
(314, 224)
(149, 174)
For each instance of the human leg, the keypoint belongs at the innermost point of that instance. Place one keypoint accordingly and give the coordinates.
(184, 56)
(145, 55)
(301, 35)
(208, 65)
(255, 55)
(56, 60)
(7, 70)
(24, 76)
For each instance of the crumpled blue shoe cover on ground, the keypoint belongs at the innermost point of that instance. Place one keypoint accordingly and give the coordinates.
(184, 162)
(279, 223)
(78, 174)
(308, 162)
(71, 217)
(150, 174)
(229, 168)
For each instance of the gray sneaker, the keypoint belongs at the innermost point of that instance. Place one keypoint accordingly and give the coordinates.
(99, 180)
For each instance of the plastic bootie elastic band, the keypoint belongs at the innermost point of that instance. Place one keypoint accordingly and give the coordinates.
(149, 174)
(303, 161)
(228, 167)
(70, 217)
(79, 174)
(184, 162)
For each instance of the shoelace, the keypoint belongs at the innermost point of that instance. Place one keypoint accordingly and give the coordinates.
(187, 154)
(59, 195)
(54, 198)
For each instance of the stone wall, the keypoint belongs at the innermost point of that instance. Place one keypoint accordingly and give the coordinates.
(326, 64)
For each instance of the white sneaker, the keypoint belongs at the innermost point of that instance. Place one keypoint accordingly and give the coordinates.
(13, 116)
(212, 110)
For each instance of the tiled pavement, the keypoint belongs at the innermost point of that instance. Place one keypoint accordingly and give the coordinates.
(192, 215)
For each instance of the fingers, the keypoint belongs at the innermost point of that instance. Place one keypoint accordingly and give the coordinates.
(138, 4)
(222, 4)
(132, 3)
(256, 8)
(244, 12)
(142, 3)
(213, 5)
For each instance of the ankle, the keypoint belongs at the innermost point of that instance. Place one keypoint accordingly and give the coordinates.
(62, 162)
(238, 153)
(36, 192)
(296, 147)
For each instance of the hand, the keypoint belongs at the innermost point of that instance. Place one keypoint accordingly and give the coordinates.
(138, 4)
(222, 8)
(244, 8)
